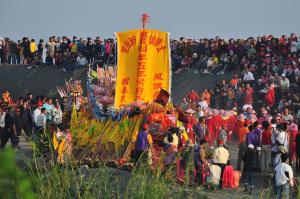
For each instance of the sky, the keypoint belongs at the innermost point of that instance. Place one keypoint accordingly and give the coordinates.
(189, 18)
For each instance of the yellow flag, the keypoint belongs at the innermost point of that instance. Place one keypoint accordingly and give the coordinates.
(143, 66)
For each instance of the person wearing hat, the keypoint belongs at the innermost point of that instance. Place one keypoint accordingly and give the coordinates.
(221, 158)
(10, 131)
(143, 144)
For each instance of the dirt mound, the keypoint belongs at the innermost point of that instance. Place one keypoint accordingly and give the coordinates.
(19, 80)
(43, 81)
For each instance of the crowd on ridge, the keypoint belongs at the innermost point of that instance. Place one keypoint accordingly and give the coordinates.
(61, 52)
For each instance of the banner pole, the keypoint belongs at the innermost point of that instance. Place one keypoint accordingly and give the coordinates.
(170, 67)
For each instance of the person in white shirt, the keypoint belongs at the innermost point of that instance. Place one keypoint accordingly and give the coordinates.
(81, 60)
(283, 178)
(2, 121)
(41, 120)
(248, 76)
(35, 114)
(279, 138)
(284, 82)
(56, 114)
(203, 104)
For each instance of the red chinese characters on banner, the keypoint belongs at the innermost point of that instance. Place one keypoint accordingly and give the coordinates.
(141, 72)
(129, 43)
(157, 42)
(157, 84)
(125, 83)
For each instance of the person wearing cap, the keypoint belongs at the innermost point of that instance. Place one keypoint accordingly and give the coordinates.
(143, 144)
(10, 131)
(283, 178)
(242, 133)
(221, 157)
(249, 167)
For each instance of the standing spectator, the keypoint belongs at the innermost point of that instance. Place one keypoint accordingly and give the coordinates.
(26, 120)
(298, 153)
(49, 107)
(56, 114)
(2, 121)
(10, 131)
(249, 167)
(41, 47)
(193, 96)
(242, 133)
(50, 46)
(90, 51)
(41, 122)
(283, 178)
(279, 139)
(1, 50)
(270, 96)
(26, 50)
(220, 157)
(143, 145)
(266, 146)
(248, 94)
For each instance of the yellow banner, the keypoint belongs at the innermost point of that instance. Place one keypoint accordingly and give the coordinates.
(143, 66)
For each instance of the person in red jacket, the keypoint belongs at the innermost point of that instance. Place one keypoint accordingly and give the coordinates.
(217, 123)
(193, 96)
(270, 96)
(266, 146)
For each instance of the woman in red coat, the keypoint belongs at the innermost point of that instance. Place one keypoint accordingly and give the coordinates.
(270, 96)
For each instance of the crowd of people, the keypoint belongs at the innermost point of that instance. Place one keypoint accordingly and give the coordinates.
(62, 52)
(258, 108)
(30, 115)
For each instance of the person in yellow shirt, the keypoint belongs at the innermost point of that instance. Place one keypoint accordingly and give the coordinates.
(33, 47)
(221, 157)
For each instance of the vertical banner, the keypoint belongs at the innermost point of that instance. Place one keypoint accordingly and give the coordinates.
(143, 66)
